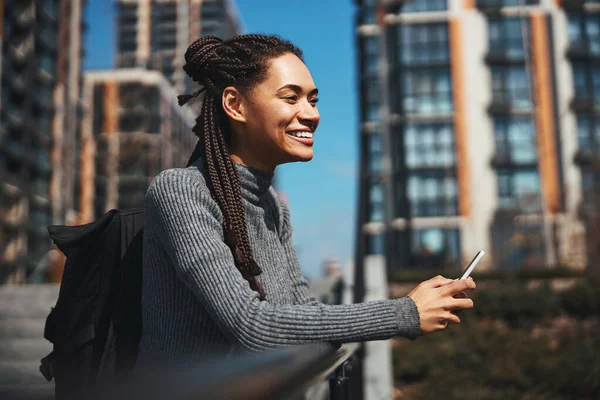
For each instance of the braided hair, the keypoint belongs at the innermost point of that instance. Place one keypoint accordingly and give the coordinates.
(242, 62)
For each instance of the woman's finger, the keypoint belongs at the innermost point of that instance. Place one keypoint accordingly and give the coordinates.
(452, 318)
(457, 286)
(437, 282)
(459, 304)
(461, 295)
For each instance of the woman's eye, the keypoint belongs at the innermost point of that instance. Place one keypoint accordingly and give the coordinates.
(291, 98)
(314, 101)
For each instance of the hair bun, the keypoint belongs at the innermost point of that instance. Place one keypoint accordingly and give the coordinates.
(198, 56)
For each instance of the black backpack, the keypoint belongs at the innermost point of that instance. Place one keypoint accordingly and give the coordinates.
(95, 326)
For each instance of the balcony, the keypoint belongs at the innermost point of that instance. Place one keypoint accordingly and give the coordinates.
(24, 17)
(506, 160)
(495, 6)
(572, 4)
(504, 103)
(441, 206)
(587, 158)
(583, 104)
(11, 221)
(581, 51)
(164, 13)
(510, 209)
(503, 56)
(15, 119)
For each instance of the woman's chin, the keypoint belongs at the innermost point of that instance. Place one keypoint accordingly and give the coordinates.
(303, 156)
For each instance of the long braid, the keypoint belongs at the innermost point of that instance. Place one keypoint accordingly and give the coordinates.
(215, 64)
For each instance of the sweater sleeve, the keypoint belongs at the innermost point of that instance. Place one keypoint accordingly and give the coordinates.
(186, 221)
(300, 287)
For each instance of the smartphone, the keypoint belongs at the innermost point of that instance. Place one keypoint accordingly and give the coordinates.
(472, 264)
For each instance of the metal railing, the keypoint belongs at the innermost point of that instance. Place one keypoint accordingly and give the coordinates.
(297, 372)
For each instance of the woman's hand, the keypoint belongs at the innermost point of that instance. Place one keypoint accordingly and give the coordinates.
(438, 298)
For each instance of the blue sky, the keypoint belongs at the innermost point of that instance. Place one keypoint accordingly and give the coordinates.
(322, 192)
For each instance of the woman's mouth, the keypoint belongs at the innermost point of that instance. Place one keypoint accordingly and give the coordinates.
(305, 137)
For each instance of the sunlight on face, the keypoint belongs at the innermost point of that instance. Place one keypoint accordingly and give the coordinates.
(281, 116)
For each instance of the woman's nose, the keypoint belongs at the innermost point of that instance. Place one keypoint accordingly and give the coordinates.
(310, 113)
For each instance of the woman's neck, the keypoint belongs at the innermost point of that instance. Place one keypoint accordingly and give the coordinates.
(252, 162)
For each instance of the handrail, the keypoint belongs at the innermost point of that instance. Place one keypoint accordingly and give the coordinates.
(284, 373)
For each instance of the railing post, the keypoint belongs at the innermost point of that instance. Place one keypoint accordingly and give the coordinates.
(339, 380)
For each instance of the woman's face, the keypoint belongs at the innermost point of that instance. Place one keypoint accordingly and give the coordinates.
(280, 116)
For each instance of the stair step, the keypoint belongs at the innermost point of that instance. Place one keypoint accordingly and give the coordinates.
(20, 373)
(44, 391)
(27, 349)
(27, 301)
(22, 328)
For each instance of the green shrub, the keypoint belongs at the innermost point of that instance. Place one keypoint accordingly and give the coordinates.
(516, 304)
(582, 300)
(489, 361)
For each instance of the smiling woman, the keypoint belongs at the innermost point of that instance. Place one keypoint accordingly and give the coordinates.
(220, 271)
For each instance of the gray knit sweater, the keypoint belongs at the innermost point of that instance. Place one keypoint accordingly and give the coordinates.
(194, 300)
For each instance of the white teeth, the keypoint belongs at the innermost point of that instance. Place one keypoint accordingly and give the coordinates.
(301, 134)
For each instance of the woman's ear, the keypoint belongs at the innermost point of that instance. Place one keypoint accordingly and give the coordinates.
(233, 104)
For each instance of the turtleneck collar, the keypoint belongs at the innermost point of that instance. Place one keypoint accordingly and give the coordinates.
(254, 182)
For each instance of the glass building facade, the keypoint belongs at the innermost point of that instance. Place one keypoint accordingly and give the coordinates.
(481, 156)
(39, 117)
(422, 135)
(154, 34)
(135, 129)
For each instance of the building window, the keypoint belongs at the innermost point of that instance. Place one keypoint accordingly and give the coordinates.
(370, 54)
(429, 145)
(40, 186)
(505, 3)
(39, 217)
(427, 91)
(372, 99)
(515, 140)
(591, 189)
(586, 80)
(519, 190)
(423, 44)
(376, 201)
(588, 134)
(517, 245)
(47, 63)
(211, 10)
(508, 35)
(367, 15)
(127, 43)
(127, 13)
(510, 85)
(424, 6)
(44, 124)
(375, 155)
(435, 247)
(376, 244)
(583, 28)
(433, 193)
(98, 123)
